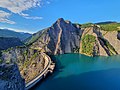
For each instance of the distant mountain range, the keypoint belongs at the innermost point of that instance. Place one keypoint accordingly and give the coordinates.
(107, 22)
(7, 42)
(9, 33)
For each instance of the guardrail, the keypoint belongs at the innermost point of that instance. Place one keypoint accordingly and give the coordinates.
(40, 76)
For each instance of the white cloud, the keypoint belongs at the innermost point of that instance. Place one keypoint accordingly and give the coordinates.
(4, 17)
(34, 18)
(18, 7)
(30, 17)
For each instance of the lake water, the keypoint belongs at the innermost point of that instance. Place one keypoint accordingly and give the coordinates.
(80, 72)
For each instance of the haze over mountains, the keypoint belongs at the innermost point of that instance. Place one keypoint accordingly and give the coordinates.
(9, 38)
(10, 33)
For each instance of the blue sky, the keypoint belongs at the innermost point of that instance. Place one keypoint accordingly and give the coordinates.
(34, 15)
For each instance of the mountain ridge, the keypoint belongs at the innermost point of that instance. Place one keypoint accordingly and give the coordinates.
(65, 37)
(10, 33)
(8, 42)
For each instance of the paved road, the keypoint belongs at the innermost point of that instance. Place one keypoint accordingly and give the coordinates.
(40, 76)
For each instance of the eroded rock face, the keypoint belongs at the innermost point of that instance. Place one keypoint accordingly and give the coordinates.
(62, 37)
(113, 40)
(10, 78)
(30, 61)
(65, 37)
(118, 35)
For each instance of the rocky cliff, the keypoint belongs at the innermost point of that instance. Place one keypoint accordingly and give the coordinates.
(101, 44)
(66, 37)
(10, 78)
(61, 37)
(30, 61)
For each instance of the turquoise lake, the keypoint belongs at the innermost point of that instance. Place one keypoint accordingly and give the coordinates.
(80, 72)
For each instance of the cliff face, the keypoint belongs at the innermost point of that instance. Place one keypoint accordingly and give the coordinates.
(62, 37)
(30, 61)
(105, 43)
(66, 37)
(118, 35)
(113, 40)
(10, 78)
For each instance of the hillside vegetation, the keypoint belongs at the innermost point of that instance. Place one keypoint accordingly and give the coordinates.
(86, 25)
(110, 27)
(88, 44)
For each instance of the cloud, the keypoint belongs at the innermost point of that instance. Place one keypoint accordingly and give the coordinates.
(4, 17)
(18, 7)
(34, 18)
(30, 17)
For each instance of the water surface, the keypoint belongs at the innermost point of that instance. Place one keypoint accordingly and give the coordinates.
(80, 72)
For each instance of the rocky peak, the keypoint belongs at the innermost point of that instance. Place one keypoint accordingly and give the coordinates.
(64, 25)
(60, 20)
(62, 37)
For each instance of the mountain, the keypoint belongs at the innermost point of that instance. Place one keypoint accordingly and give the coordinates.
(29, 60)
(9, 33)
(63, 37)
(89, 39)
(8, 42)
(107, 22)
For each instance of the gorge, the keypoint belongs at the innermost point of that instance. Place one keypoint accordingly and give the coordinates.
(63, 37)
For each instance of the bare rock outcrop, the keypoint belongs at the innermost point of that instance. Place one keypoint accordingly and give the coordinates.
(10, 78)
(114, 41)
(118, 35)
(66, 37)
(30, 61)
(62, 37)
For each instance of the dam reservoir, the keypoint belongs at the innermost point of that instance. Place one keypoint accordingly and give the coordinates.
(80, 72)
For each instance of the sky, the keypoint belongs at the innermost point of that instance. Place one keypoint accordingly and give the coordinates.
(34, 15)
